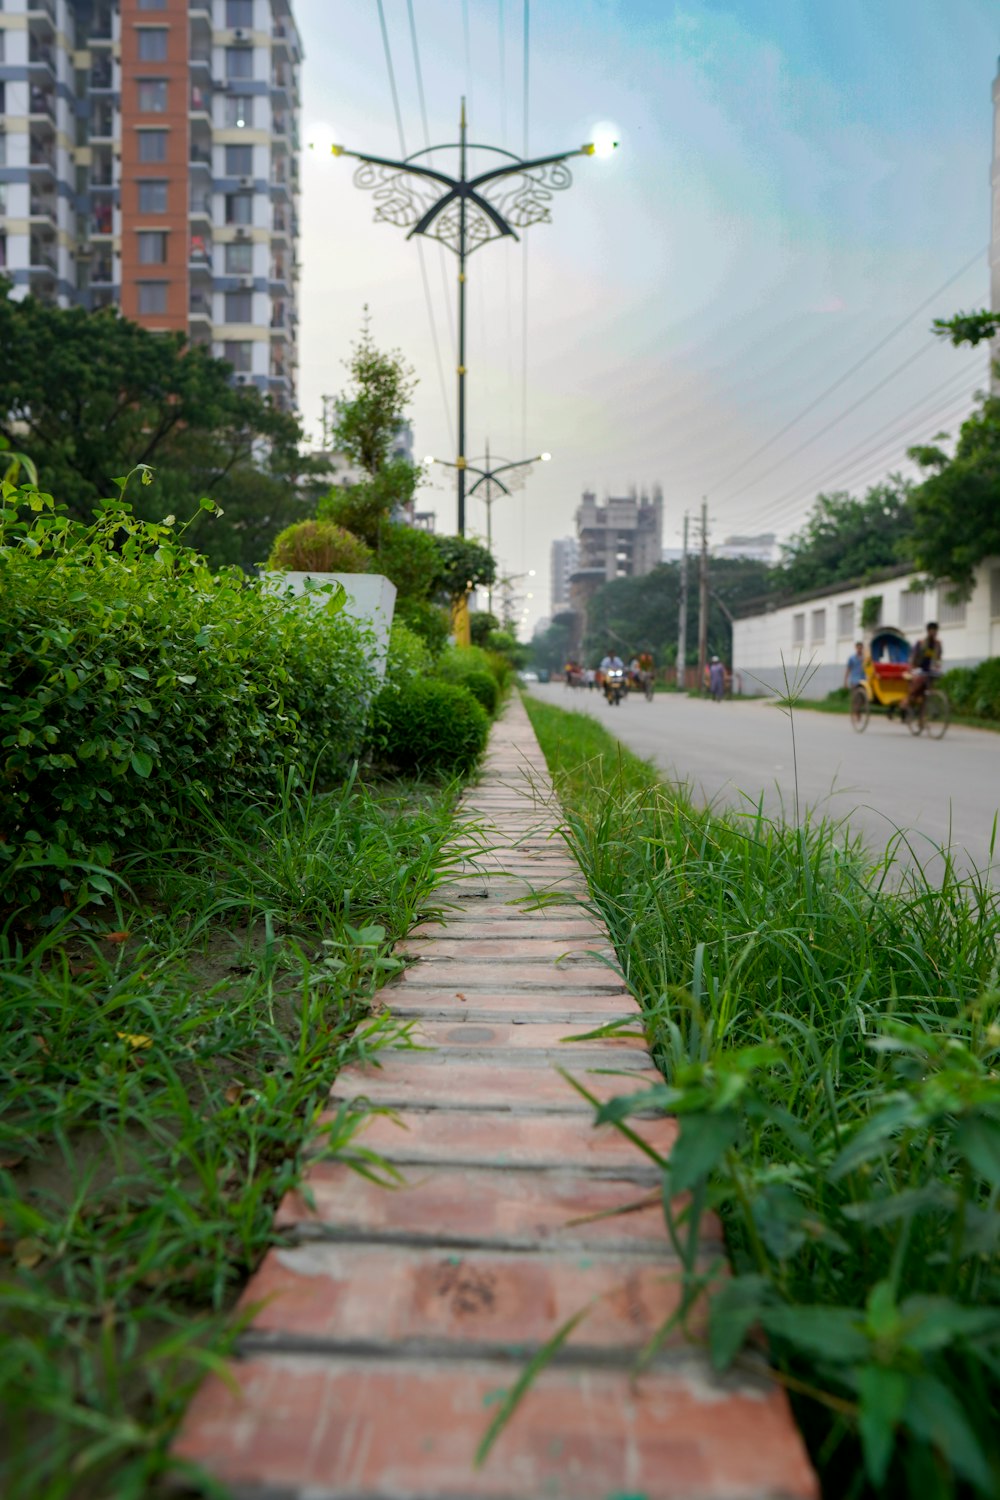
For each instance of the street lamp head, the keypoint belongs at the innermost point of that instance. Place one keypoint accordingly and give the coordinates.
(337, 150)
(429, 458)
(604, 144)
(545, 457)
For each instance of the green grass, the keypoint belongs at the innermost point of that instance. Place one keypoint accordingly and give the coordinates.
(828, 1030)
(838, 702)
(165, 1061)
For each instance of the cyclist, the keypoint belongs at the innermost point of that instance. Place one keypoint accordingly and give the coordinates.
(925, 663)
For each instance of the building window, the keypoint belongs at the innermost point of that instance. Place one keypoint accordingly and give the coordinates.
(152, 96)
(949, 614)
(239, 259)
(152, 145)
(152, 297)
(239, 62)
(239, 13)
(798, 630)
(239, 208)
(995, 593)
(818, 626)
(152, 44)
(152, 4)
(239, 307)
(239, 161)
(153, 197)
(239, 110)
(911, 607)
(845, 621)
(152, 247)
(238, 353)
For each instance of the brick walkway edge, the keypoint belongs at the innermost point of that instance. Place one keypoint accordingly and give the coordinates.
(393, 1320)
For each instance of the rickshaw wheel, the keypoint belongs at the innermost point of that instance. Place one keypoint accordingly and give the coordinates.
(860, 710)
(914, 717)
(936, 714)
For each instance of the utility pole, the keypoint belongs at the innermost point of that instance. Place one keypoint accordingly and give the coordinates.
(703, 600)
(682, 614)
(328, 405)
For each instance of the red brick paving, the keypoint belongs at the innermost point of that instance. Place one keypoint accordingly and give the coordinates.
(388, 1327)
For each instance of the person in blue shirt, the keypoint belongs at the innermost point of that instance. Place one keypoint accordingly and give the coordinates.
(854, 673)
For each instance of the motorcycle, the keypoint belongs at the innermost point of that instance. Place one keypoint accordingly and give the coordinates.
(614, 685)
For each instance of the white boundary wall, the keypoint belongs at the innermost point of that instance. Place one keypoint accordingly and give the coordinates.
(819, 631)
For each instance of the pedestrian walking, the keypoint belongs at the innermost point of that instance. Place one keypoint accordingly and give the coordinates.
(716, 679)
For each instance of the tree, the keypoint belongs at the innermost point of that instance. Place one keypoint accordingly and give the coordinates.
(846, 538)
(462, 565)
(956, 510)
(640, 614)
(90, 395)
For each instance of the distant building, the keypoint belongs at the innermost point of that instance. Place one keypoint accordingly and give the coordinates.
(563, 557)
(763, 548)
(621, 538)
(149, 160)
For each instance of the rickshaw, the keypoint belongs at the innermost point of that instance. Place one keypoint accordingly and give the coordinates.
(887, 684)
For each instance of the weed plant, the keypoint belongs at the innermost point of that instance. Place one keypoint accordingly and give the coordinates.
(828, 1034)
(165, 1064)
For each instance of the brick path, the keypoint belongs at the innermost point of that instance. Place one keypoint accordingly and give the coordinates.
(393, 1321)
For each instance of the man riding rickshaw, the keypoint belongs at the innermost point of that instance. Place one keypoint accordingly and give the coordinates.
(899, 679)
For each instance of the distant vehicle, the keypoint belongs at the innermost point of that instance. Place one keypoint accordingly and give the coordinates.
(543, 674)
(530, 676)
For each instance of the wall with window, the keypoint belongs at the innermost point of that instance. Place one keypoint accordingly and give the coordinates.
(798, 639)
(155, 141)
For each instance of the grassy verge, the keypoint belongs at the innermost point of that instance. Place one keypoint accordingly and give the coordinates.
(829, 1036)
(837, 704)
(164, 1067)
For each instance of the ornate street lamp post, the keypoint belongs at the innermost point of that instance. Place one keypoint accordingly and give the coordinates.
(489, 486)
(464, 212)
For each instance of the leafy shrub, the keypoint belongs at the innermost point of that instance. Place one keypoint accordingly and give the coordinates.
(484, 688)
(408, 557)
(135, 682)
(429, 621)
(319, 547)
(409, 656)
(455, 664)
(975, 690)
(431, 727)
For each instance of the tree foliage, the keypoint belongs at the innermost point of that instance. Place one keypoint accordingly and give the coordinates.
(462, 565)
(845, 538)
(369, 415)
(968, 328)
(90, 395)
(956, 510)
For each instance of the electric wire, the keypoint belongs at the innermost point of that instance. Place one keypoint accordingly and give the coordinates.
(866, 465)
(911, 423)
(420, 249)
(526, 50)
(841, 379)
(421, 97)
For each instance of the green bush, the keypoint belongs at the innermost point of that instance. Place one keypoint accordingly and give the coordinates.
(429, 621)
(409, 655)
(319, 547)
(431, 727)
(134, 682)
(975, 690)
(455, 664)
(485, 689)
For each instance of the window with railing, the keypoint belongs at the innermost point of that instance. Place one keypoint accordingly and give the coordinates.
(949, 611)
(845, 620)
(911, 608)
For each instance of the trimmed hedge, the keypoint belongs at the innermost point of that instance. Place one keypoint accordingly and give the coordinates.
(431, 727)
(133, 680)
(320, 547)
(484, 688)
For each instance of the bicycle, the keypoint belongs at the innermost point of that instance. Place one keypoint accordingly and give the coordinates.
(933, 712)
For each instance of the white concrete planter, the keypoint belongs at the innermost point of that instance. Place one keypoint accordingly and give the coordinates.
(371, 599)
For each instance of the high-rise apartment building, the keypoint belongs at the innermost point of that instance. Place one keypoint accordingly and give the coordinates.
(623, 538)
(149, 160)
(563, 558)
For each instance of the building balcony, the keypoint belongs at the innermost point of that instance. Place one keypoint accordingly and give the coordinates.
(200, 159)
(41, 62)
(41, 13)
(102, 272)
(200, 209)
(200, 103)
(102, 223)
(200, 310)
(201, 60)
(44, 209)
(200, 14)
(42, 260)
(200, 256)
(279, 190)
(102, 126)
(41, 158)
(42, 105)
(101, 78)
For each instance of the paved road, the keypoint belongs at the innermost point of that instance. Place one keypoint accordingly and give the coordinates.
(944, 791)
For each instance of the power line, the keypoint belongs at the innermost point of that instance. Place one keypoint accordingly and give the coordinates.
(524, 244)
(848, 373)
(402, 150)
(863, 459)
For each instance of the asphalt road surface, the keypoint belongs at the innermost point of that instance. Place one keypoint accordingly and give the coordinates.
(942, 792)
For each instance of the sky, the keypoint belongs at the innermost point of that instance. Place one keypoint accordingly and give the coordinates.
(800, 188)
